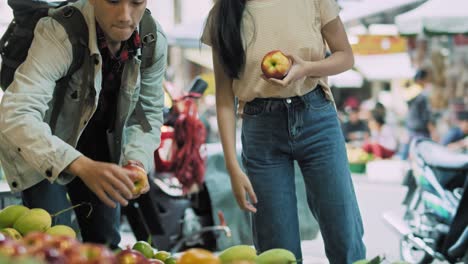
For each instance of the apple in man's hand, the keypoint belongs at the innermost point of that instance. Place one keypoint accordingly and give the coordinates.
(275, 65)
(140, 181)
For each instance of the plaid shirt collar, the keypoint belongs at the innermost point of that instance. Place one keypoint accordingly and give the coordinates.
(128, 49)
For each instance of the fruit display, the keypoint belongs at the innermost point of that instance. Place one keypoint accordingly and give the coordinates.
(43, 248)
(241, 254)
(357, 155)
(276, 256)
(17, 221)
(197, 255)
(27, 236)
(275, 65)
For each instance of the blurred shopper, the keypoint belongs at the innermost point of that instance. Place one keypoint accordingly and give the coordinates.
(354, 128)
(419, 121)
(457, 137)
(285, 120)
(382, 143)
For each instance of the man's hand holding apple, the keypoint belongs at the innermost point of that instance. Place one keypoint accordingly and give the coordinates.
(110, 182)
(139, 178)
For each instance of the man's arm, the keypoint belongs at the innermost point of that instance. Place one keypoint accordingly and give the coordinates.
(26, 101)
(140, 146)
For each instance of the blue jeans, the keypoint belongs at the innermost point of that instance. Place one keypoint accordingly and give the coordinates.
(102, 225)
(274, 133)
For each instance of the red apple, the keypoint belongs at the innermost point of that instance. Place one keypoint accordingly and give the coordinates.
(140, 181)
(89, 253)
(35, 241)
(50, 255)
(11, 248)
(275, 65)
(63, 243)
(130, 256)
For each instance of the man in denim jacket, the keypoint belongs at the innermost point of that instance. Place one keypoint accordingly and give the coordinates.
(95, 133)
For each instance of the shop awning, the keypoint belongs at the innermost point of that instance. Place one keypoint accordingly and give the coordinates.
(384, 67)
(435, 17)
(201, 57)
(355, 10)
(347, 79)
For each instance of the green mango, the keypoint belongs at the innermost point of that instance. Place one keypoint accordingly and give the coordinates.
(61, 230)
(34, 220)
(11, 233)
(362, 261)
(10, 214)
(276, 256)
(144, 248)
(239, 252)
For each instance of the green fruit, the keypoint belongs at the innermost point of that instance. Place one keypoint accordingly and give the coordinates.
(170, 260)
(240, 252)
(27, 260)
(376, 260)
(276, 256)
(10, 214)
(11, 233)
(61, 230)
(162, 255)
(144, 248)
(34, 220)
(362, 261)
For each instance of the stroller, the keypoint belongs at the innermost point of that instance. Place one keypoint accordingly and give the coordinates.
(176, 213)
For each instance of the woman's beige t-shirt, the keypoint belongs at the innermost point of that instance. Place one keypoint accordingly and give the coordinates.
(292, 26)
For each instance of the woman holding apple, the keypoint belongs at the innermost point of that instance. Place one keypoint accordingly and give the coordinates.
(288, 114)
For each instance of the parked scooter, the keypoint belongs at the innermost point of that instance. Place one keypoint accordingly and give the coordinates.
(434, 225)
(176, 213)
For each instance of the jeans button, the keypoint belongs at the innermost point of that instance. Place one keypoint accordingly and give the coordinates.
(288, 100)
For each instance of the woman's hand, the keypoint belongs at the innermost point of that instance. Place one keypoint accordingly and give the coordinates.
(297, 72)
(241, 187)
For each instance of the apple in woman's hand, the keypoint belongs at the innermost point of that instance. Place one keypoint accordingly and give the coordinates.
(275, 65)
(140, 181)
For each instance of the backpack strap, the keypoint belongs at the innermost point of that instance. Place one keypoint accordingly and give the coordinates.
(149, 37)
(77, 29)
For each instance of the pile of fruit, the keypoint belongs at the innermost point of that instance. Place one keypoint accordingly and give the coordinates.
(357, 155)
(27, 237)
(42, 248)
(17, 221)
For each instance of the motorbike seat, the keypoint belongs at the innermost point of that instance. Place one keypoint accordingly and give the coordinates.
(459, 248)
(439, 156)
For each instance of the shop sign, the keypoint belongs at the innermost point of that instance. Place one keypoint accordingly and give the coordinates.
(460, 40)
(373, 44)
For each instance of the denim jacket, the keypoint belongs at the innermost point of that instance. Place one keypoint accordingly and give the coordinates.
(29, 151)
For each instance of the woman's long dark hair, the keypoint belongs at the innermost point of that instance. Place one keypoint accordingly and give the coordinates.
(226, 35)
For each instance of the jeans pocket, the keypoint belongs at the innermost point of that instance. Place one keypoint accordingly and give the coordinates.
(253, 109)
(317, 100)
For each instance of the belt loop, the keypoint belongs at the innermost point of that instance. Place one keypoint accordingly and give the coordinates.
(267, 105)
